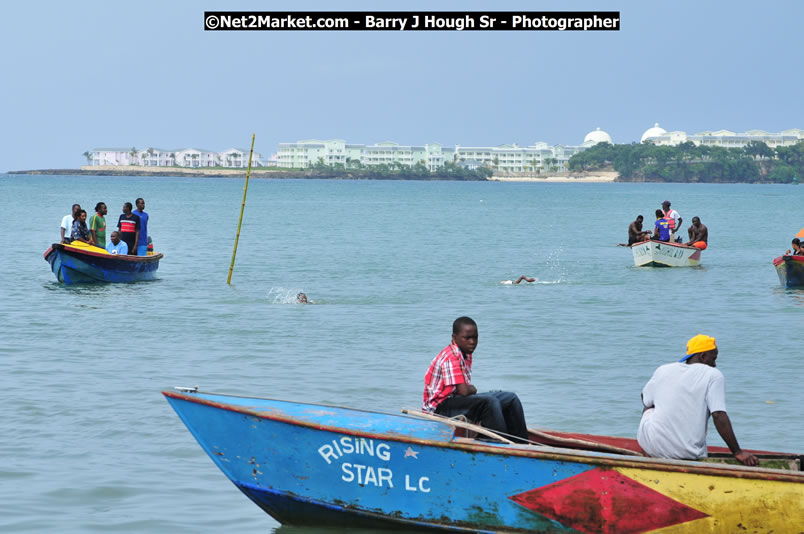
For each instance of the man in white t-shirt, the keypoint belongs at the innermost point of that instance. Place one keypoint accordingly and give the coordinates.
(674, 217)
(66, 228)
(677, 402)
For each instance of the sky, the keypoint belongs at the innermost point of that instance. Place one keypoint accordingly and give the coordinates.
(85, 74)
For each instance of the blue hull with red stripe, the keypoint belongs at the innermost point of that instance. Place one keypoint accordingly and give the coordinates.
(74, 264)
(318, 465)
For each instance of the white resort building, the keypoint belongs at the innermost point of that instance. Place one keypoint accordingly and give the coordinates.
(504, 158)
(725, 138)
(185, 157)
(307, 153)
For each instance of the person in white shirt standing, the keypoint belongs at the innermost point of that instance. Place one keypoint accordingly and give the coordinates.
(674, 217)
(677, 403)
(66, 228)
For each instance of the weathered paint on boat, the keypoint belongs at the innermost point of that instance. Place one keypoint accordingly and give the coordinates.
(81, 263)
(323, 465)
(790, 270)
(662, 254)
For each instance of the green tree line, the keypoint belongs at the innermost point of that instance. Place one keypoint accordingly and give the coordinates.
(356, 170)
(756, 162)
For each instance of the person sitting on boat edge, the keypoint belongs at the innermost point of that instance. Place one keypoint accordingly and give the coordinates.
(677, 402)
(661, 230)
(448, 388)
(798, 249)
(66, 227)
(698, 233)
(116, 245)
(80, 232)
(635, 232)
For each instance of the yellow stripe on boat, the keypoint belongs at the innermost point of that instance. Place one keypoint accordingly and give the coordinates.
(85, 246)
(732, 504)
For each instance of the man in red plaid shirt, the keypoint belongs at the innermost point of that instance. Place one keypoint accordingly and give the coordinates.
(448, 390)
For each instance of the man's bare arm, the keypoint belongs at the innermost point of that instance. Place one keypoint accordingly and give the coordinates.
(723, 426)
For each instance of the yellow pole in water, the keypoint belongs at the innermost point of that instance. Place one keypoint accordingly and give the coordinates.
(242, 209)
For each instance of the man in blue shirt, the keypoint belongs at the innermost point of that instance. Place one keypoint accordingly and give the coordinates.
(116, 245)
(142, 244)
(661, 230)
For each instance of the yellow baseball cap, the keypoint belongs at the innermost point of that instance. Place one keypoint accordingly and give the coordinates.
(699, 343)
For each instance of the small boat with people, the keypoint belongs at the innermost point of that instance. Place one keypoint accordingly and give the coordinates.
(790, 266)
(652, 253)
(790, 269)
(318, 465)
(78, 262)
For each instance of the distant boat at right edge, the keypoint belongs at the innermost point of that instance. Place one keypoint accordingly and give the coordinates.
(790, 270)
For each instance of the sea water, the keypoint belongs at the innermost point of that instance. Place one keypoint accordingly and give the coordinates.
(88, 444)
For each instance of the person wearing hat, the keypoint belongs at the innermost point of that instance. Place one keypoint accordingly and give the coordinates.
(677, 402)
(674, 218)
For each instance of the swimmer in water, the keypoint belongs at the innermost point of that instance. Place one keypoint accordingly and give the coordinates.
(301, 298)
(523, 277)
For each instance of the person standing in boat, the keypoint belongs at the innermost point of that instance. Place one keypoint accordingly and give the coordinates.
(129, 226)
(97, 225)
(699, 234)
(677, 403)
(635, 232)
(80, 232)
(67, 224)
(448, 388)
(674, 218)
(116, 246)
(142, 243)
(661, 228)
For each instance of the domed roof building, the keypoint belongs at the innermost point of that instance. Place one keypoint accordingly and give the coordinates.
(597, 136)
(656, 131)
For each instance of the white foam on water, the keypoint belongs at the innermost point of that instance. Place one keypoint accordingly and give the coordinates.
(284, 295)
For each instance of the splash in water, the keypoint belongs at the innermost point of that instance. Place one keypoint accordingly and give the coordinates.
(284, 295)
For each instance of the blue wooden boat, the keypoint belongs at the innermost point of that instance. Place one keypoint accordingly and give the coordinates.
(790, 270)
(317, 465)
(78, 263)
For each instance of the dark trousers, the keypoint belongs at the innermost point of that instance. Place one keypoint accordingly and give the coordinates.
(128, 237)
(499, 411)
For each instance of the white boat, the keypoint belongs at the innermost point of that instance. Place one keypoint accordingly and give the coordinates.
(662, 254)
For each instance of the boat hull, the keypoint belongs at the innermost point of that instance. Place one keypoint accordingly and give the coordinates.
(330, 466)
(74, 264)
(661, 254)
(790, 270)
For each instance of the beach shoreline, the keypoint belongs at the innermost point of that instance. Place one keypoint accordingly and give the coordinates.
(135, 170)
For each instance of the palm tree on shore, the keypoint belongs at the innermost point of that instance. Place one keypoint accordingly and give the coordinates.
(88, 155)
(133, 154)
